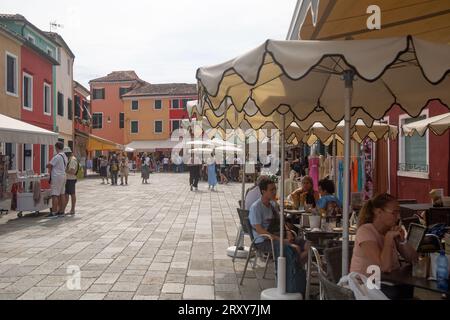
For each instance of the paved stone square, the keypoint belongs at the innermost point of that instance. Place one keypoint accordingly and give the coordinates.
(155, 241)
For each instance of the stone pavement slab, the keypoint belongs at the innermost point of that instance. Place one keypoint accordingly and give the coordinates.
(155, 241)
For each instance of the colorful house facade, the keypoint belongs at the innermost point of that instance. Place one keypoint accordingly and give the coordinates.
(82, 121)
(10, 61)
(36, 77)
(107, 105)
(153, 111)
(63, 108)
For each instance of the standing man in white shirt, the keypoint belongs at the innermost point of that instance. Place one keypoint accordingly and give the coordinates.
(57, 168)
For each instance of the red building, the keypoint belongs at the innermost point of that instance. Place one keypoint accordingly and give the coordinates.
(177, 111)
(418, 164)
(37, 103)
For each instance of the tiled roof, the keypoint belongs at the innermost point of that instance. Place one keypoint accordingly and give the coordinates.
(12, 16)
(163, 89)
(27, 43)
(118, 76)
(76, 85)
(19, 17)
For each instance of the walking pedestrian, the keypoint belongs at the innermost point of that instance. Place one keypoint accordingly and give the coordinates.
(194, 175)
(145, 171)
(212, 176)
(124, 170)
(104, 169)
(114, 169)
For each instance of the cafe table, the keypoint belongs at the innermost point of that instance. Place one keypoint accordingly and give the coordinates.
(404, 276)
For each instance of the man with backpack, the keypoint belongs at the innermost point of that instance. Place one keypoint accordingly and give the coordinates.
(73, 166)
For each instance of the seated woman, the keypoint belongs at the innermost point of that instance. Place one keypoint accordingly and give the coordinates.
(327, 197)
(306, 193)
(380, 241)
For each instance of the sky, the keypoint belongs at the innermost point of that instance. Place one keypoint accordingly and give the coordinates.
(163, 41)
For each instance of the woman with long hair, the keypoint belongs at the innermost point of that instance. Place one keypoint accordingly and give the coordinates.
(380, 240)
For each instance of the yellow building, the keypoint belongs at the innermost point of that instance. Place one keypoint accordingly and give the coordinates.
(152, 112)
(10, 48)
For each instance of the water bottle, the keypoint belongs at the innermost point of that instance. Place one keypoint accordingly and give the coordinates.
(442, 271)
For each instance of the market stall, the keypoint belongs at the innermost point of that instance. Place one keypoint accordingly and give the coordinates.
(23, 187)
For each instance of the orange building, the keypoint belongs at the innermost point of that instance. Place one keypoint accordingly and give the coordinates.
(107, 104)
(153, 111)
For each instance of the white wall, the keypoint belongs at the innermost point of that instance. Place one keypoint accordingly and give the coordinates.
(64, 83)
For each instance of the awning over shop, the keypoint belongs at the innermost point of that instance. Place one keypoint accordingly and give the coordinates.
(97, 143)
(152, 145)
(16, 131)
(438, 124)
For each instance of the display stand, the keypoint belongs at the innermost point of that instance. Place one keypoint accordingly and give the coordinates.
(25, 197)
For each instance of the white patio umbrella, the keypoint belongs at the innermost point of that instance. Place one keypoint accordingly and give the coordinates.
(343, 80)
(359, 132)
(437, 124)
(200, 143)
(229, 148)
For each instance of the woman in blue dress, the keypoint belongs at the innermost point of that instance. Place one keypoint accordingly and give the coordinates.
(212, 176)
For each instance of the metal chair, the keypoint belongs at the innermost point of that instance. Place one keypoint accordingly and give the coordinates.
(319, 265)
(242, 231)
(333, 261)
(413, 219)
(438, 215)
(331, 291)
(253, 247)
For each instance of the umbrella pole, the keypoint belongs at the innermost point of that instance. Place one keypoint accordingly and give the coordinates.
(281, 258)
(348, 78)
(243, 178)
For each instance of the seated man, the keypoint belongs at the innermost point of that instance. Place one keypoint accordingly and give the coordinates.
(264, 218)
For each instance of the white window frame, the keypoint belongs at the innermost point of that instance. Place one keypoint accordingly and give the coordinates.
(134, 110)
(131, 126)
(171, 123)
(31, 92)
(31, 38)
(46, 156)
(94, 113)
(388, 141)
(154, 105)
(93, 95)
(15, 153)
(49, 99)
(162, 127)
(171, 104)
(50, 51)
(32, 156)
(16, 73)
(401, 149)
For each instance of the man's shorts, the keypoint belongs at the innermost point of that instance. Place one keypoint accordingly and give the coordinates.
(58, 185)
(70, 186)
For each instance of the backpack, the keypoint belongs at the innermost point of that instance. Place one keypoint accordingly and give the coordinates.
(78, 166)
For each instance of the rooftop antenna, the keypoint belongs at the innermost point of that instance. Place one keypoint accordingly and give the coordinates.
(54, 25)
